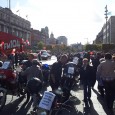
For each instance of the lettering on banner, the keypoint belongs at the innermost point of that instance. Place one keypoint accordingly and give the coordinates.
(47, 100)
(11, 44)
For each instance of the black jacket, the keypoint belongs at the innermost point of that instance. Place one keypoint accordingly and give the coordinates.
(87, 74)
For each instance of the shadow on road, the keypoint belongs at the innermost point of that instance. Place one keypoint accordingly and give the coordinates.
(102, 101)
(24, 109)
(90, 110)
(11, 107)
(73, 102)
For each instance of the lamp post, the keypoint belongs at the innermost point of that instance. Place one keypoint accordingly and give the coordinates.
(106, 17)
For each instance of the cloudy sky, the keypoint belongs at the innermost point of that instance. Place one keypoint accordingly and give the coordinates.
(78, 20)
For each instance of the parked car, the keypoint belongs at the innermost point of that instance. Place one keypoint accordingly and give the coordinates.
(45, 56)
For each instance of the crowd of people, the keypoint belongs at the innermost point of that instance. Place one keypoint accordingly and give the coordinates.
(90, 67)
(95, 66)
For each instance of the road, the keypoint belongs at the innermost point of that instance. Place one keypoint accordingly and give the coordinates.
(50, 61)
(14, 106)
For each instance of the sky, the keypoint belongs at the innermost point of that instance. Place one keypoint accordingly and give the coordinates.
(78, 20)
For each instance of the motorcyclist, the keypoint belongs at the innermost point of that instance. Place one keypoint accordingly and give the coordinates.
(56, 71)
(28, 63)
(25, 65)
(32, 72)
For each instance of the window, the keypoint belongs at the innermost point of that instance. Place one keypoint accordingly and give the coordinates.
(0, 15)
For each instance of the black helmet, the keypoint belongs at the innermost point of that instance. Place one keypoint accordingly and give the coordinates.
(34, 85)
(35, 62)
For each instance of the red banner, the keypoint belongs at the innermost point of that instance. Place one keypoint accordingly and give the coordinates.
(10, 43)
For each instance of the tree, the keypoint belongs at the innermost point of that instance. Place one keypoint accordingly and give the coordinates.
(40, 45)
(91, 47)
(108, 47)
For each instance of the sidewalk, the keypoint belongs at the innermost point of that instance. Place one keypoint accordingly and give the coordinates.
(98, 105)
(78, 93)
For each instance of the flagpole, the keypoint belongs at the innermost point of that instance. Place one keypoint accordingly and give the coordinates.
(27, 17)
(10, 28)
(106, 17)
(9, 5)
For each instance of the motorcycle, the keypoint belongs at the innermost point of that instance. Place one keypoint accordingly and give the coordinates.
(9, 83)
(51, 103)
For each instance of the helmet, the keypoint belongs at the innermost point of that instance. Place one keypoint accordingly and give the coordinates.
(35, 62)
(34, 85)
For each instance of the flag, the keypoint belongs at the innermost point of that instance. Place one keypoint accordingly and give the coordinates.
(17, 11)
(27, 16)
(109, 13)
(27, 42)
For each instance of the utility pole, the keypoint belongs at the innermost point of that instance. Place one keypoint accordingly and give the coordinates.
(106, 17)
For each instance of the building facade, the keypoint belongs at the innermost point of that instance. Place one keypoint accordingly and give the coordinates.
(45, 35)
(14, 24)
(99, 37)
(62, 40)
(109, 31)
(52, 40)
(35, 37)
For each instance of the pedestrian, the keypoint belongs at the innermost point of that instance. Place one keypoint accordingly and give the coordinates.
(106, 69)
(100, 82)
(16, 58)
(95, 63)
(86, 75)
(113, 58)
(39, 56)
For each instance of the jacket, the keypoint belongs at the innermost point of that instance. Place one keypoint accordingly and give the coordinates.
(32, 72)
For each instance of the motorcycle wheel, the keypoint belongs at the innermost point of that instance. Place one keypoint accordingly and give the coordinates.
(2, 98)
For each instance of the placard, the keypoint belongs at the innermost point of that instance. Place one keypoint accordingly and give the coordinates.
(75, 60)
(5, 64)
(71, 70)
(47, 100)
